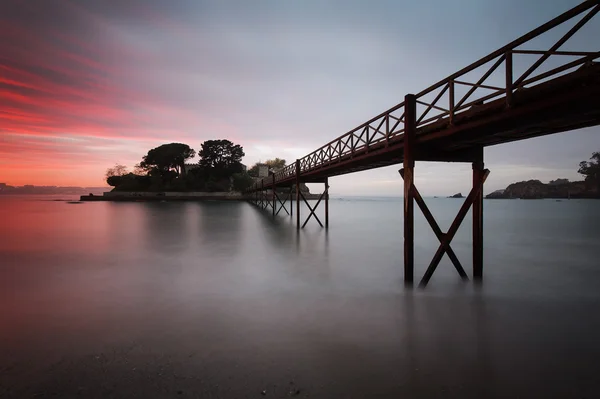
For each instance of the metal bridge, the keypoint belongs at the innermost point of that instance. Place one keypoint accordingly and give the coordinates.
(512, 94)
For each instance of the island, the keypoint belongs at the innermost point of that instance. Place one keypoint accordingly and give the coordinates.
(457, 195)
(165, 173)
(559, 188)
(29, 189)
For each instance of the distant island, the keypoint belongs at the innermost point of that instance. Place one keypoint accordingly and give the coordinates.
(559, 188)
(29, 189)
(166, 173)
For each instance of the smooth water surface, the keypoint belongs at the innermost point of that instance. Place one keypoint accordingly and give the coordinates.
(218, 300)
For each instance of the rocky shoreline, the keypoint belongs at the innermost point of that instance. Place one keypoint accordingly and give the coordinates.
(535, 189)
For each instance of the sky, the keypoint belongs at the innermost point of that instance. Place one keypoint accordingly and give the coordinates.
(88, 84)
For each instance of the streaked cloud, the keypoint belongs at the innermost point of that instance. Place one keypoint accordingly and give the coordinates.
(86, 84)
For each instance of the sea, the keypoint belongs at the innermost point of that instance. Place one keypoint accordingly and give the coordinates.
(221, 300)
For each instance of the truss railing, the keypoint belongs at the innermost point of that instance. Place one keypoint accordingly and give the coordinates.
(489, 79)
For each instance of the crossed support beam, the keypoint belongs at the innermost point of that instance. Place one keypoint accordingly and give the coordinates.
(324, 194)
(278, 201)
(446, 238)
(412, 195)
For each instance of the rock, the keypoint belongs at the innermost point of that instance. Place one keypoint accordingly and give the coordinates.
(495, 194)
(535, 189)
(263, 393)
(457, 195)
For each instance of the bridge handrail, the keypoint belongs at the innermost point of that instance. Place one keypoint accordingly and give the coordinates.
(389, 124)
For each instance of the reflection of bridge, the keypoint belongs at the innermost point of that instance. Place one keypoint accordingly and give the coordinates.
(512, 94)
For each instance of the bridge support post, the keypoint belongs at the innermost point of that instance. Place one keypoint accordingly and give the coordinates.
(274, 199)
(297, 194)
(446, 238)
(291, 203)
(478, 171)
(326, 202)
(410, 123)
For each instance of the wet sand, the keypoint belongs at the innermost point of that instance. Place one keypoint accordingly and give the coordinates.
(405, 345)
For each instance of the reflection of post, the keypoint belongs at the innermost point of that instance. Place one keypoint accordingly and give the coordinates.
(478, 218)
(274, 195)
(326, 202)
(298, 194)
(410, 111)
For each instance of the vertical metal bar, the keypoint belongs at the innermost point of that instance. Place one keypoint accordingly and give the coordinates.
(274, 195)
(509, 77)
(451, 101)
(478, 171)
(298, 194)
(387, 129)
(262, 193)
(326, 202)
(410, 121)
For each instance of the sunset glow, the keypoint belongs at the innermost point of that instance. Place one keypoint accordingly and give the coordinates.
(85, 85)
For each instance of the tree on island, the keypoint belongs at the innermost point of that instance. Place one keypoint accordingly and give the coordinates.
(221, 157)
(591, 169)
(163, 169)
(163, 159)
(114, 174)
(273, 164)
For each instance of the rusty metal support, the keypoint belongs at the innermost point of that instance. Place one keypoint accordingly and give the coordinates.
(282, 204)
(478, 172)
(327, 203)
(410, 119)
(313, 209)
(436, 229)
(297, 194)
(447, 238)
(262, 194)
(274, 195)
(508, 59)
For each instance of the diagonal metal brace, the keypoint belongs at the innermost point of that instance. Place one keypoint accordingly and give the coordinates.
(447, 238)
(282, 204)
(436, 229)
(312, 210)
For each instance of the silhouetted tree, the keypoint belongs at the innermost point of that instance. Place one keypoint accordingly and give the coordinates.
(163, 159)
(114, 174)
(273, 164)
(591, 169)
(241, 181)
(221, 157)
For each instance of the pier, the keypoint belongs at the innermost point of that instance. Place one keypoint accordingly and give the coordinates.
(514, 93)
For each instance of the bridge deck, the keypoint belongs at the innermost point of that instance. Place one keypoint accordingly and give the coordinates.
(566, 103)
(454, 128)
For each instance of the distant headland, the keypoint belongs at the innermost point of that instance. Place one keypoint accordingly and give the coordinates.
(29, 189)
(559, 188)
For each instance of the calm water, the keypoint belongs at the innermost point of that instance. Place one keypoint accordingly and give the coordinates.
(217, 300)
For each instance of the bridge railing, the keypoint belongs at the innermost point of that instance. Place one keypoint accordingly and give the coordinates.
(488, 79)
